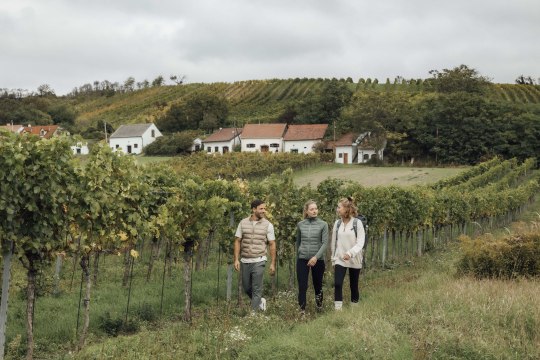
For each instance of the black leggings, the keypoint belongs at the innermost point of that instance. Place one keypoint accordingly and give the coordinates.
(339, 276)
(302, 272)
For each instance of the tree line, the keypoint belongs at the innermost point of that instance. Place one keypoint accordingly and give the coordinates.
(452, 117)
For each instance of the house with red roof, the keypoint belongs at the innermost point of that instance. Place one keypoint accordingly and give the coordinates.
(263, 137)
(222, 141)
(43, 131)
(345, 149)
(302, 138)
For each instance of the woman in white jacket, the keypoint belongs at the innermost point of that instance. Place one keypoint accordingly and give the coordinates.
(346, 249)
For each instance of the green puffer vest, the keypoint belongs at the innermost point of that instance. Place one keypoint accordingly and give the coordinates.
(311, 238)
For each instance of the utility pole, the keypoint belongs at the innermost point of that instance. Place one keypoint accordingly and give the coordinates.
(105, 126)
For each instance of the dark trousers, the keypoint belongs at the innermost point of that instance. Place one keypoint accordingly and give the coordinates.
(339, 276)
(302, 273)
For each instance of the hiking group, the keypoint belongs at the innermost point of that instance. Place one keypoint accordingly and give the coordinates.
(255, 235)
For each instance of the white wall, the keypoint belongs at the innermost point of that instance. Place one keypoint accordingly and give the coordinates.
(260, 142)
(220, 145)
(303, 146)
(342, 150)
(80, 149)
(369, 153)
(133, 144)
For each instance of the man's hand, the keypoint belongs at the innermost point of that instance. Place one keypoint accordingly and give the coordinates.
(312, 261)
(236, 265)
(272, 269)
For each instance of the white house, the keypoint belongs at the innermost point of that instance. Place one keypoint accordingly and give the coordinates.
(197, 145)
(370, 147)
(302, 138)
(345, 150)
(131, 139)
(222, 141)
(263, 137)
(81, 148)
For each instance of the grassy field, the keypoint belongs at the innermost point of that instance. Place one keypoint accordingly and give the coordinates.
(365, 175)
(418, 310)
(373, 176)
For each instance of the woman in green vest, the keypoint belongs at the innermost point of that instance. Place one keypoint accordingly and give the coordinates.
(311, 243)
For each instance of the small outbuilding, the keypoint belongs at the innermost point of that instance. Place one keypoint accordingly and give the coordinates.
(222, 141)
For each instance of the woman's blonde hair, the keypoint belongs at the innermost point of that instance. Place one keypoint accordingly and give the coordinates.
(350, 207)
(306, 207)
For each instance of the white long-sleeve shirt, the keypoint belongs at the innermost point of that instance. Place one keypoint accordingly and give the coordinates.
(348, 244)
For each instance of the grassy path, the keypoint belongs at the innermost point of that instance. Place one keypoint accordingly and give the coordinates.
(418, 310)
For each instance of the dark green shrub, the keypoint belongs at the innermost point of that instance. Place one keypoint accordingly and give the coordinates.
(146, 312)
(111, 326)
(507, 257)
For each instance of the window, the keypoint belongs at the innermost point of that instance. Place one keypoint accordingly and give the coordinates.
(340, 155)
(250, 146)
(136, 146)
(366, 156)
(294, 151)
(209, 149)
(216, 149)
(274, 145)
(117, 146)
(153, 133)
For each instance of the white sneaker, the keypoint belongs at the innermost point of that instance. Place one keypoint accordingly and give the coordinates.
(338, 305)
(262, 305)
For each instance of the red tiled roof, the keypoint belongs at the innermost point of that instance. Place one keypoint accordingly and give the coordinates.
(329, 145)
(225, 134)
(44, 131)
(262, 131)
(306, 132)
(346, 140)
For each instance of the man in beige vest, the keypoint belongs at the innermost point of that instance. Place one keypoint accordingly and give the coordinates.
(252, 236)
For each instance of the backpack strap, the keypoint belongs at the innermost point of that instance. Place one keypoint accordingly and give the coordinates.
(355, 227)
(338, 224)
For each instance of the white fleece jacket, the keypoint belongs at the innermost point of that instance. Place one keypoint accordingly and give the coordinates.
(347, 243)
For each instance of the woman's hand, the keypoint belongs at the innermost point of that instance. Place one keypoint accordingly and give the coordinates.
(312, 261)
(346, 257)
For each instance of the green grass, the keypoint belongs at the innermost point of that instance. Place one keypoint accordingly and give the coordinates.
(418, 310)
(142, 159)
(373, 176)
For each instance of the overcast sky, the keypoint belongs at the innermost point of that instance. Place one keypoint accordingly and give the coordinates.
(67, 43)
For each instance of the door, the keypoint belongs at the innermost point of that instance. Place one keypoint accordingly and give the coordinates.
(265, 148)
(129, 149)
(345, 158)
